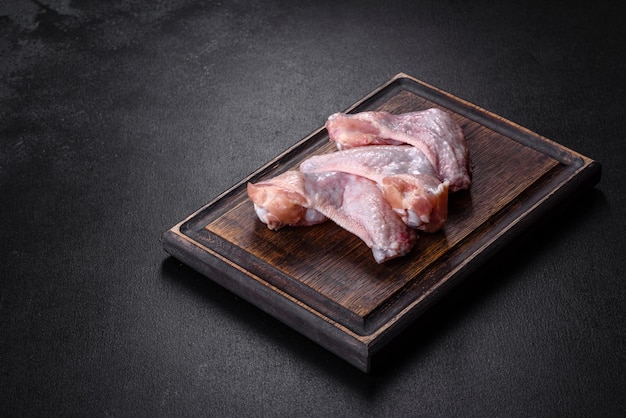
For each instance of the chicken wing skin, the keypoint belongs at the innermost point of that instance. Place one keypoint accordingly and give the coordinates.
(432, 131)
(281, 201)
(352, 202)
(404, 174)
(357, 205)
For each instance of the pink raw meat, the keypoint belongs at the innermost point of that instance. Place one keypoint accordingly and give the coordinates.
(281, 201)
(432, 131)
(352, 202)
(403, 173)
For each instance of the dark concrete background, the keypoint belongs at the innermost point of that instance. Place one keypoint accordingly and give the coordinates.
(118, 119)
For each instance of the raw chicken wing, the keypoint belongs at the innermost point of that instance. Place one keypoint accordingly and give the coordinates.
(432, 131)
(352, 202)
(357, 205)
(403, 173)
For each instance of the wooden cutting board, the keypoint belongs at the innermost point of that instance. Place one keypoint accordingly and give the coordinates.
(323, 281)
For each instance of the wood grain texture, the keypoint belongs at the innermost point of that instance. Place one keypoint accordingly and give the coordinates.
(323, 281)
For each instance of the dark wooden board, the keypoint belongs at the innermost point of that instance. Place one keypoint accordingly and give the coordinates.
(323, 281)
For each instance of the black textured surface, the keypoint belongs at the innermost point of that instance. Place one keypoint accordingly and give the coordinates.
(119, 118)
